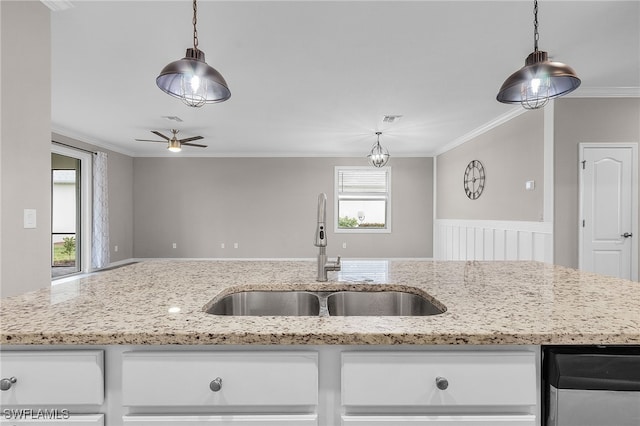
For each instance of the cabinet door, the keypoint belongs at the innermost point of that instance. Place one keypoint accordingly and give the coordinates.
(45, 378)
(233, 420)
(30, 418)
(245, 379)
(438, 378)
(497, 420)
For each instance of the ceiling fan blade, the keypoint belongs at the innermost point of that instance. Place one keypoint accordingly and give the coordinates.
(147, 140)
(155, 132)
(195, 138)
(194, 144)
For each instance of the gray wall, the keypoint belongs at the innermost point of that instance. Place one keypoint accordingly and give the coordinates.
(25, 80)
(512, 154)
(120, 178)
(268, 207)
(576, 121)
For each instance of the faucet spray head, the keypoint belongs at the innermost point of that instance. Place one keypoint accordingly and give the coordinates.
(321, 234)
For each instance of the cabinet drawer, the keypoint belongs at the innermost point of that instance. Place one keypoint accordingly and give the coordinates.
(73, 420)
(247, 378)
(235, 420)
(409, 378)
(498, 420)
(46, 378)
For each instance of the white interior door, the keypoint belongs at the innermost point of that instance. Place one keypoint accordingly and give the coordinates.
(607, 206)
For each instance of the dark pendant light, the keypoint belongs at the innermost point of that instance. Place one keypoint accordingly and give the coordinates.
(191, 79)
(539, 80)
(378, 156)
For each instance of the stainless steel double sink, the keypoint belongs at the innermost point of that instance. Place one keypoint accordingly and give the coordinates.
(334, 303)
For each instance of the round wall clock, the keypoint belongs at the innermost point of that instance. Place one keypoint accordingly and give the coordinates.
(474, 180)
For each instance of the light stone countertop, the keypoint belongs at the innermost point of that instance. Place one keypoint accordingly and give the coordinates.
(486, 302)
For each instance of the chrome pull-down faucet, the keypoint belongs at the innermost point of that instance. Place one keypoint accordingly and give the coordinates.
(321, 241)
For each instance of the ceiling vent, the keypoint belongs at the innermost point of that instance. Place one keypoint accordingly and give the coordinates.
(172, 118)
(391, 118)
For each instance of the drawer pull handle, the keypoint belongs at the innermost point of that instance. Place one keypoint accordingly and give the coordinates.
(442, 383)
(216, 384)
(5, 384)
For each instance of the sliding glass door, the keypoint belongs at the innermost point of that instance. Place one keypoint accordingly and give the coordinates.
(66, 232)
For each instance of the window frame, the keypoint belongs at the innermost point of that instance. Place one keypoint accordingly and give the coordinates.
(387, 197)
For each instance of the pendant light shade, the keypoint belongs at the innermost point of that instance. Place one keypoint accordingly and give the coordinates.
(539, 80)
(378, 156)
(191, 79)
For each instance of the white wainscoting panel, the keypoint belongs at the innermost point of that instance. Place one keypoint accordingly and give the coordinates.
(493, 240)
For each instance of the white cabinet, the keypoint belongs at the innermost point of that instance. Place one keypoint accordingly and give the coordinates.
(440, 388)
(244, 379)
(36, 381)
(485, 420)
(319, 385)
(242, 385)
(411, 378)
(36, 418)
(232, 420)
(47, 378)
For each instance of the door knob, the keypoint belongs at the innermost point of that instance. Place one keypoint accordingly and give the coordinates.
(216, 384)
(5, 384)
(627, 235)
(442, 383)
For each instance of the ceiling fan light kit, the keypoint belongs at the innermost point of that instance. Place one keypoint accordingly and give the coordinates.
(539, 80)
(191, 79)
(175, 144)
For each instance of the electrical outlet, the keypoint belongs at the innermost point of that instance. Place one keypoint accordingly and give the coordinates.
(115, 249)
(344, 245)
(175, 245)
(221, 245)
(235, 245)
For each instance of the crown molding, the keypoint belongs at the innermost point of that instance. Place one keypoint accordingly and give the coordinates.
(501, 119)
(586, 92)
(57, 5)
(84, 139)
(605, 92)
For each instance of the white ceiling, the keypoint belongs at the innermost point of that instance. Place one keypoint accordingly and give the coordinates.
(315, 78)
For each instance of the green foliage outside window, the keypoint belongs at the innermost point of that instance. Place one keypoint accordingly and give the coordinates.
(69, 246)
(347, 222)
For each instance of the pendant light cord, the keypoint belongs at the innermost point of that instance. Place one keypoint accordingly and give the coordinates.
(536, 35)
(195, 30)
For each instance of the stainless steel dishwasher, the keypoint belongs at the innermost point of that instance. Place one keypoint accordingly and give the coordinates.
(591, 386)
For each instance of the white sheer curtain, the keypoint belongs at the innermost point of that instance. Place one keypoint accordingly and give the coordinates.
(100, 243)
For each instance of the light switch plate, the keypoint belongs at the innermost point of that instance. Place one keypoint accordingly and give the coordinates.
(29, 218)
(530, 185)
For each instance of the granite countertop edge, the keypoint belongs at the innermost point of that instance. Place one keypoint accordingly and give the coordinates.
(487, 303)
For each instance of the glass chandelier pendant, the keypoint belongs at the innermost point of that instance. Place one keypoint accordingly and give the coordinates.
(539, 80)
(378, 156)
(191, 79)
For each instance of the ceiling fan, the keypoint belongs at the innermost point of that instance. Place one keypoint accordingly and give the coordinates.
(175, 144)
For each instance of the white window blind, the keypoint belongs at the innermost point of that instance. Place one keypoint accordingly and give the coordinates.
(352, 181)
(362, 199)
